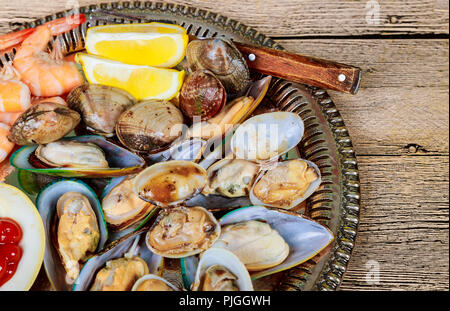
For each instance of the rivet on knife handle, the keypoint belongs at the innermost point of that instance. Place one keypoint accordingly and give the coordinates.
(302, 69)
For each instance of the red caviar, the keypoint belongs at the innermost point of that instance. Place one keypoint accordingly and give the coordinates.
(10, 251)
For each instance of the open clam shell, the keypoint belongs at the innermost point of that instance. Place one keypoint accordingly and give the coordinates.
(180, 149)
(125, 223)
(194, 230)
(211, 257)
(121, 161)
(313, 186)
(266, 137)
(305, 237)
(100, 106)
(239, 181)
(118, 249)
(46, 202)
(153, 277)
(170, 183)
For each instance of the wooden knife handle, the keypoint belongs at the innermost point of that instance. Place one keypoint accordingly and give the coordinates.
(302, 69)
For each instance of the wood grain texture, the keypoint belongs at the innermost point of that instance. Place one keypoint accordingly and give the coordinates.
(384, 63)
(287, 17)
(402, 106)
(404, 224)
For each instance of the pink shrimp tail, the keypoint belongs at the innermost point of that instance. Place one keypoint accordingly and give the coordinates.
(65, 24)
(12, 39)
(57, 27)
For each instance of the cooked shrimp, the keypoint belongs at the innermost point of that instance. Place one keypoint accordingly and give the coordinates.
(14, 94)
(9, 117)
(56, 100)
(14, 38)
(5, 145)
(45, 75)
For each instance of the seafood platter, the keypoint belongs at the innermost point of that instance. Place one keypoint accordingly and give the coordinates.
(141, 151)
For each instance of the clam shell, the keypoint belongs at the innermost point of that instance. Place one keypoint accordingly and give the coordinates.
(44, 123)
(311, 189)
(177, 253)
(46, 204)
(306, 238)
(170, 183)
(121, 161)
(150, 277)
(149, 126)
(118, 249)
(216, 256)
(266, 137)
(100, 106)
(202, 95)
(222, 58)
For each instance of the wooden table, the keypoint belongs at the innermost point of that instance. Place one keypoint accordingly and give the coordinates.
(398, 121)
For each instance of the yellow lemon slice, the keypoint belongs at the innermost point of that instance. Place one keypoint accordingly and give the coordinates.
(143, 82)
(152, 44)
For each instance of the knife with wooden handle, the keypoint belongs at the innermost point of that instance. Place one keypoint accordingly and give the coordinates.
(302, 69)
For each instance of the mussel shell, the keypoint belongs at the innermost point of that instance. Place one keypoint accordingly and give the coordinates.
(193, 270)
(305, 237)
(46, 204)
(222, 58)
(149, 126)
(132, 221)
(44, 123)
(114, 250)
(100, 106)
(202, 95)
(121, 161)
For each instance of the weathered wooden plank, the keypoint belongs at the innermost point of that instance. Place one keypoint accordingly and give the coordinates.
(402, 106)
(393, 120)
(288, 17)
(404, 224)
(384, 63)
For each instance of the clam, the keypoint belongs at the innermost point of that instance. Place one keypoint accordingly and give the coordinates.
(152, 283)
(43, 123)
(266, 137)
(170, 183)
(100, 106)
(231, 178)
(304, 238)
(218, 270)
(120, 265)
(202, 95)
(255, 243)
(149, 126)
(122, 207)
(121, 162)
(182, 232)
(74, 228)
(222, 58)
(286, 185)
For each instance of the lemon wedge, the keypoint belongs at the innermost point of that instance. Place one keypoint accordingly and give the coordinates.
(143, 82)
(152, 44)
